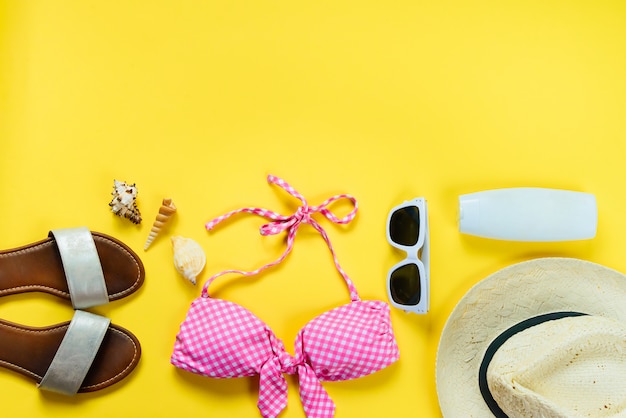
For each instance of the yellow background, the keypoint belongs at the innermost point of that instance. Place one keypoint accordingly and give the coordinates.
(200, 100)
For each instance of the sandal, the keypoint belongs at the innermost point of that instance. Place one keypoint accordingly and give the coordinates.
(85, 354)
(88, 268)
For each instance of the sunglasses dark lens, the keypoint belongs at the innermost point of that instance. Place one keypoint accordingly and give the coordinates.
(405, 285)
(404, 226)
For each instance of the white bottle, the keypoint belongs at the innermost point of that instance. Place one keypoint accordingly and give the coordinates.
(529, 214)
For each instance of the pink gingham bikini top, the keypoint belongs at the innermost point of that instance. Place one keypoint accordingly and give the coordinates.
(223, 339)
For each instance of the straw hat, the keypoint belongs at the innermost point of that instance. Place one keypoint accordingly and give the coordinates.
(542, 338)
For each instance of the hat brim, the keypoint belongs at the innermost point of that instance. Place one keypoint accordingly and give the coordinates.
(509, 296)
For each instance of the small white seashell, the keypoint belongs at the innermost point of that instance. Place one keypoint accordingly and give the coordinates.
(124, 203)
(189, 257)
(166, 210)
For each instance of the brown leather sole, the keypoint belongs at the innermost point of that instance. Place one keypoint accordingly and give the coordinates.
(30, 350)
(38, 267)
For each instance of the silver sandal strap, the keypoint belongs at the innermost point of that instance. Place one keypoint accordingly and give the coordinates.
(76, 353)
(81, 264)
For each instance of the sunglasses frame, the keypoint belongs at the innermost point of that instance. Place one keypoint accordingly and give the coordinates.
(418, 254)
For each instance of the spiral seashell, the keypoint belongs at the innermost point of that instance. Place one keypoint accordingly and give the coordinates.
(189, 257)
(166, 210)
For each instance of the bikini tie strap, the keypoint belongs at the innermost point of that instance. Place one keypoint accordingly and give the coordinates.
(291, 223)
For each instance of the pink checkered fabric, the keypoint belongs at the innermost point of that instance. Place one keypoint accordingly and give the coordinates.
(222, 339)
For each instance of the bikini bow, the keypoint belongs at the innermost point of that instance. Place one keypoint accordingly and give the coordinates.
(291, 223)
(273, 386)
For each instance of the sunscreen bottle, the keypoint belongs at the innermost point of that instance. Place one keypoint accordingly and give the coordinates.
(529, 214)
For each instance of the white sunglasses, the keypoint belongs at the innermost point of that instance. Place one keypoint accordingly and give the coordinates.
(408, 282)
